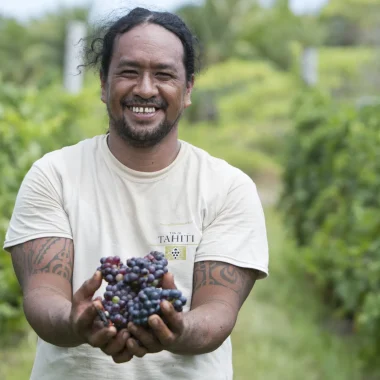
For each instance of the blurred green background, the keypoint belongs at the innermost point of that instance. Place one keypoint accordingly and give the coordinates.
(292, 100)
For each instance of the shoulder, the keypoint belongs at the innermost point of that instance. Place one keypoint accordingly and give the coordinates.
(69, 156)
(217, 170)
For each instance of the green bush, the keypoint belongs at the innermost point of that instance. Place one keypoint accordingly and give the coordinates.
(331, 202)
(32, 123)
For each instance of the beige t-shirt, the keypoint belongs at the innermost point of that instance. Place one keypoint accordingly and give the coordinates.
(198, 208)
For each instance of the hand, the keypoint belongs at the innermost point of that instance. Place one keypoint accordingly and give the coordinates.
(84, 319)
(160, 335)
(117, 348)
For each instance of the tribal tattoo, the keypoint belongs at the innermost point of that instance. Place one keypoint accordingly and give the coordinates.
(239, 280)
(47, 255)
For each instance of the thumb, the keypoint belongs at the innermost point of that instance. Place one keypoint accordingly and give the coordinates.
(168, 281)
(89, 287)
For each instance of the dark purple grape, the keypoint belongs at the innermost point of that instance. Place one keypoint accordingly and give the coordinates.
(118, 319)
(133, 277)
(159, 273)
(177, 305)
(143, 313)
(175, 293)
(155, 302)
(116, 308)
(109, 278)
(143, 296)
(155, 296)
(108, 295)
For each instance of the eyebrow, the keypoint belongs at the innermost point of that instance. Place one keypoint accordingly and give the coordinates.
(136, 64)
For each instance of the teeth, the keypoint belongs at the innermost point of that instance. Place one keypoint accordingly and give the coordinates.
(143, 109)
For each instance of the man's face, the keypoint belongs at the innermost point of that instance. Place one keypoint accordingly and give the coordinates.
(146, 89)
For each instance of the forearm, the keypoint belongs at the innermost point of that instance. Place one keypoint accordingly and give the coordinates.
(206, 328)
(48, 313)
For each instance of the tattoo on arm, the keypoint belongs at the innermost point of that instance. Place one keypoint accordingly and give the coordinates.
(47, 255)
(240, 280)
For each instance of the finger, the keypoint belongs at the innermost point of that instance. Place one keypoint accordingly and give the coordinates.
(168, 281)
(87, 317)
(101, 337)
(135, 349)
(146, 338)
(88, 289)
(172, 318)
(117, 345)
(123, 357)
(161, 330)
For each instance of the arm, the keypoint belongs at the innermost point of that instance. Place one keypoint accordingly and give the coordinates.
(219, 291)
(44, 270)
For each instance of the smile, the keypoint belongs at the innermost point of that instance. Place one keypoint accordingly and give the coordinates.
(142, 110)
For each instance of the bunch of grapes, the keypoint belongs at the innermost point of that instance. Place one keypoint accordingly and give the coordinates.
(134, 291)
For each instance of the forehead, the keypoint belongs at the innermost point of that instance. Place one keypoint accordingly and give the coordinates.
(149, 44)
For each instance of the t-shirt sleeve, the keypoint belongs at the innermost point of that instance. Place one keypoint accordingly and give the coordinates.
(237, 235)
(38, 210)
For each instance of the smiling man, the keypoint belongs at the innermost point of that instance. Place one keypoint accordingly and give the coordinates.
(136, 189)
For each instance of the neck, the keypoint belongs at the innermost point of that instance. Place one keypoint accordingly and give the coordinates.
(151, 159)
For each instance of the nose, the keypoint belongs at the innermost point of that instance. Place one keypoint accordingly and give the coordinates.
(145, 87)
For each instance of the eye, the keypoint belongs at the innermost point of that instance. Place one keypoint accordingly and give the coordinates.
(129, 73)
(163, 75)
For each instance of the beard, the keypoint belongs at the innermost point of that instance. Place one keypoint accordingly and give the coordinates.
(140, 137)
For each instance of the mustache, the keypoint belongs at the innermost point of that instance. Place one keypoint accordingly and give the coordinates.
(137, 101)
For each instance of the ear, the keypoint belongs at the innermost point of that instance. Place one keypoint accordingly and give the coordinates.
(103, 84)
(189, 89)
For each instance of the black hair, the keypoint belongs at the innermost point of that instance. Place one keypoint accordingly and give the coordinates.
(99, 52)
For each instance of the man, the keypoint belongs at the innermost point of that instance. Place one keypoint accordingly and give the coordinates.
(136, 189)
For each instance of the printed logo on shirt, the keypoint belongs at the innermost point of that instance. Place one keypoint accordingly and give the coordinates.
(175, 252)
(176, 237)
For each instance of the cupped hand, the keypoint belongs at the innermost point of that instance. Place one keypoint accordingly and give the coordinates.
(163, 333)
(84, 319)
